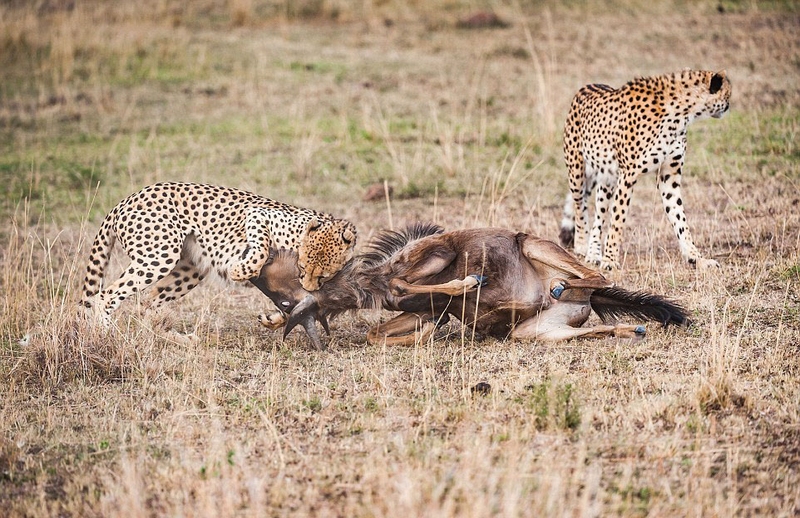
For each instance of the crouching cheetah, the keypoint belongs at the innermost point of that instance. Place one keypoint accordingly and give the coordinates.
(614, 135)
(177, 233)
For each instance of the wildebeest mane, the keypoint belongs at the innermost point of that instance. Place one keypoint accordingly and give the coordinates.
(388, 242)
(359, 283)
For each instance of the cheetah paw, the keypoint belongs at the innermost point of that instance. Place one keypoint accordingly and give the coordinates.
(609, 265)
(272, 320)
(593, 258)
(707, 264)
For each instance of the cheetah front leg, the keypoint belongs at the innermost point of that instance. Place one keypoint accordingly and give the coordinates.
(259, 239)
(669, 185)
(606, 183)
(626, 179)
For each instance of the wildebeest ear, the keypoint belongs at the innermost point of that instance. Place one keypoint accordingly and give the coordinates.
(270, 257)
(348, 236)
(313, 225)
(716, 82)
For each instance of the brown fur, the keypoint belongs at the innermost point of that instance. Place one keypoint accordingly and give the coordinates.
(432, 273)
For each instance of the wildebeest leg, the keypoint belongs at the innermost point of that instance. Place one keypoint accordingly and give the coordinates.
(558, 269)
(399, 287)
(545, 327)
(602, 331)
(559, 286)
(404, 329)
(553, 261)
(427, 261)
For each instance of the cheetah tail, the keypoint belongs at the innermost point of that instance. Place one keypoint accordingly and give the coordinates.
(610, 303)
(567, 234)
(98, 260)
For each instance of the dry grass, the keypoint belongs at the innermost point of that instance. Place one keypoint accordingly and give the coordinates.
(311, 102)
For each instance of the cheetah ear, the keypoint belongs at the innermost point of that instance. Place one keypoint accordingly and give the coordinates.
(313, 225)
(348, 236)
(716, 82)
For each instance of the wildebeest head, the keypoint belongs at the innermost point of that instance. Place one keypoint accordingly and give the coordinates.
(358, 285)
(279, 280)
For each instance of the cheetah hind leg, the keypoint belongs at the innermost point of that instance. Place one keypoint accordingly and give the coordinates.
(162, 323)
(258, 243)
(183, 278)
(136, 278)
(594, 248)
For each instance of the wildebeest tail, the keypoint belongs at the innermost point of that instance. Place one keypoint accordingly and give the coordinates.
(612, 303)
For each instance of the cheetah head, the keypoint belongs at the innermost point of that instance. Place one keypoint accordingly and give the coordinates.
(325, 246)
(717, 94)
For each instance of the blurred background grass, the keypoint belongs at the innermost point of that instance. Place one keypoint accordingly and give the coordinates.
(311, 101)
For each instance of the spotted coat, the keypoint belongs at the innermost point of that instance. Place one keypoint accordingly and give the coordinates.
(176, 233)
(614, 135)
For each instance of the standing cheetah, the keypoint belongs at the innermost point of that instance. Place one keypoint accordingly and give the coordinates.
(613, 136)
(176, 233)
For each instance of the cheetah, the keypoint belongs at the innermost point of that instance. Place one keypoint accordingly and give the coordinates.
(177, 233)
(614, 135)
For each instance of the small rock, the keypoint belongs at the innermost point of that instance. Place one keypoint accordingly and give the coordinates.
(377, 192)
(482, 20)
(481, 389)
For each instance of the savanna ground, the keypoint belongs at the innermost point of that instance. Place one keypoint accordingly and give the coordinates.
(312, 102)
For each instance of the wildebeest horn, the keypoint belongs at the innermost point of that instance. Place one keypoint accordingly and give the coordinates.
(306, 313)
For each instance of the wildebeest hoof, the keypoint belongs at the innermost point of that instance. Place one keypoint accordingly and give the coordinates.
(396, 288)
(482, 280)
(557, 290)
(640, 330)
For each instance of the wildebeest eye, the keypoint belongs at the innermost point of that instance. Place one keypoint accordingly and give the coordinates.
(286, 303)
